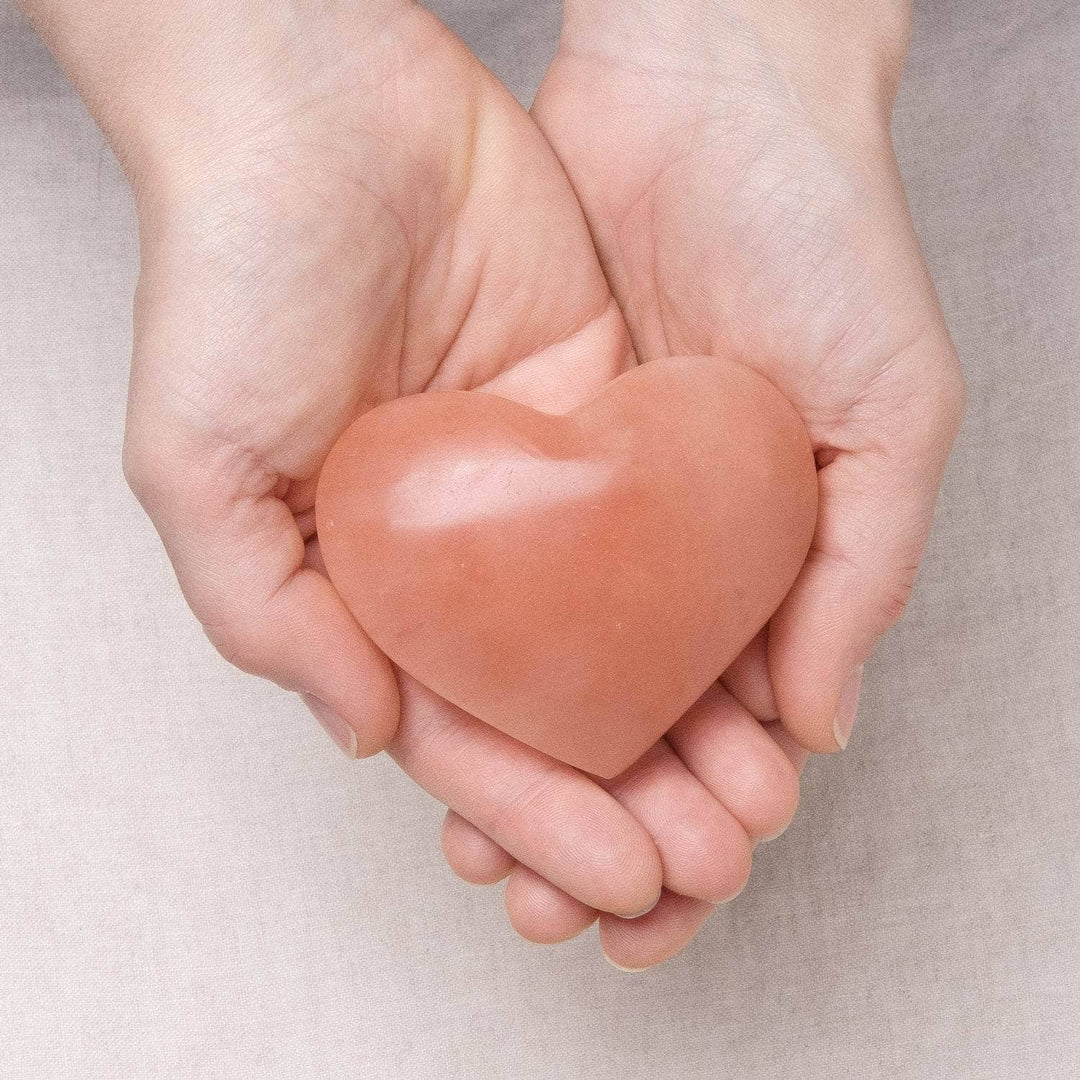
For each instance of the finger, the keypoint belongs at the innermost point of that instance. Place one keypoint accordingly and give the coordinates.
(300, 499)
(796, 754)
(748, 682)
(875, 507)
(239, 559)
(637, 944)
(542, 913)
(545, 814)
(569, 372)
(472, 854)
(737, 761)
(704, 850)
(747, 679)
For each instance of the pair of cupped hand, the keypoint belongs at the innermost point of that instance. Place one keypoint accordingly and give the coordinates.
(379, 217)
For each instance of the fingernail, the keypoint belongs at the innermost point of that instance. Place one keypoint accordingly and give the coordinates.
(629, 971)
(644, 911)
(735, 895)
(335, 727)
(845, 712)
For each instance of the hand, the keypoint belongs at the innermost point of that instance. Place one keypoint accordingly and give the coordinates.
(347, 209)
(734, 163)
(738, 175)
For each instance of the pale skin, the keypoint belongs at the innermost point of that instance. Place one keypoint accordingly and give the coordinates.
(735, 166)
(338, 204)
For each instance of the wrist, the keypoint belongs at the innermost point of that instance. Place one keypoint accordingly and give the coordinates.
(841, 61)
(174, 84)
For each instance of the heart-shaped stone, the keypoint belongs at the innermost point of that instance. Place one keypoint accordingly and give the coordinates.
(576, 581)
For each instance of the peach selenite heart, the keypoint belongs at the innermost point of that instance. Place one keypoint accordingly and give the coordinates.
(576, 581)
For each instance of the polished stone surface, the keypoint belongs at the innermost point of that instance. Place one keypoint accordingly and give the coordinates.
(575, 581)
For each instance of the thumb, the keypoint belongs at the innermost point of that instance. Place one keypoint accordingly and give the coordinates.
(239, 557)
(876, 502)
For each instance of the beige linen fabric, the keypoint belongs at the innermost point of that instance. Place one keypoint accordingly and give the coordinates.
(194, 885)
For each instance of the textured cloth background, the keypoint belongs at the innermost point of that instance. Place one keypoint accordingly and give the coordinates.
(193, 883)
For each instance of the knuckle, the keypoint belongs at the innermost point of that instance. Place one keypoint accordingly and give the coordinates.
(238, 645)
(897, 595)
(520, 813)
